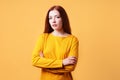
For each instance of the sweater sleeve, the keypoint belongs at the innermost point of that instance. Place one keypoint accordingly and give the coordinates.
(73, 52)
(43, 62)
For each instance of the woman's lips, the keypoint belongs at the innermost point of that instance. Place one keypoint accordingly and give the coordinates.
(54, 25)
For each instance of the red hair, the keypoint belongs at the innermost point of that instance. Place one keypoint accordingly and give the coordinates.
(65, 20)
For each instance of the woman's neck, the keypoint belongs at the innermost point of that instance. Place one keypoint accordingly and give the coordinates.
(58, 33)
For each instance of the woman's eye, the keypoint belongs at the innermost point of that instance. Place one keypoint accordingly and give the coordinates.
(58, 17)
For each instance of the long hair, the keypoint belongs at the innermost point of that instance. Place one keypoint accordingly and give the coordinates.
(65, 20)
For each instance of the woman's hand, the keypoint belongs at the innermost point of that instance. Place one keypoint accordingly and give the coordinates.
(69, 61)
(41, 54)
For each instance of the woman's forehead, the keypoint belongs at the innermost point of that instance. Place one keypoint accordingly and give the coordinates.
(54, 12)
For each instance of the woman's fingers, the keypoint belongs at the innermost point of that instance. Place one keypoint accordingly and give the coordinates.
(70, 60)
(73, 58)
(41, 54)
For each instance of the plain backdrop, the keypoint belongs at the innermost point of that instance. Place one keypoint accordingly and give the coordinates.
(96, 23)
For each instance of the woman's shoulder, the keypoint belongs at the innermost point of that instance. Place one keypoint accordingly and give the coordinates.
(74, 38)
(43, 34)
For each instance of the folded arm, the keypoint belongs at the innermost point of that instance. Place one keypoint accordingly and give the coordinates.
(42, 61)
(69, 63)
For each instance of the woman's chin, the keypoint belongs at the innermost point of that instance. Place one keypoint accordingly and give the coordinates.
(55, 28)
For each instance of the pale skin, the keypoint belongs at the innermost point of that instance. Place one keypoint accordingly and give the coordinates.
(55, 21)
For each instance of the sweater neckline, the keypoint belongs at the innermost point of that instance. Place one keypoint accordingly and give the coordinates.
(60, 36)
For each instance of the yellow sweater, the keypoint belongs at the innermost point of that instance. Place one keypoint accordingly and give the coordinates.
(55, 49)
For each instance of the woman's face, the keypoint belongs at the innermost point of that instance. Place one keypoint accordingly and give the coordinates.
(55, 20)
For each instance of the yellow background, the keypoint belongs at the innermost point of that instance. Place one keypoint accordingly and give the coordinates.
(96, 23)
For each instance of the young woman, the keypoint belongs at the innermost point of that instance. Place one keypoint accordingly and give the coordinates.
(56, 51)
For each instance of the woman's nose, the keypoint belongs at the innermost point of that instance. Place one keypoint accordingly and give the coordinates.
(53, 20)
